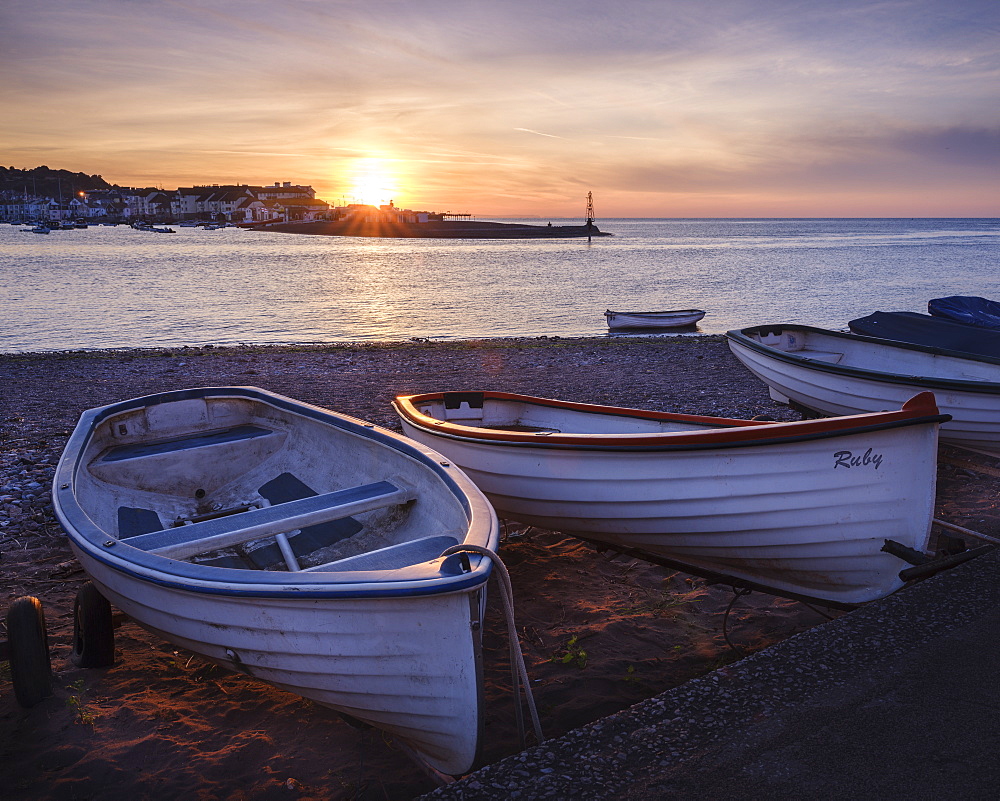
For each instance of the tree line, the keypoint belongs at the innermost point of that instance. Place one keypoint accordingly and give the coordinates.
(46, 182)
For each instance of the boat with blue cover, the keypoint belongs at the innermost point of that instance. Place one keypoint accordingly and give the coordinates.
(968, 309)
(296, 545)
(933, 332)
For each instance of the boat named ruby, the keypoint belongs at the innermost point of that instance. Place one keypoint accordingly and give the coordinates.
(800, 509)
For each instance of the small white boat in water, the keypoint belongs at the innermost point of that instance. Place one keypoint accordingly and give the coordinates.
(801, 509)
(292, 544)
(653, 319)
(834, 373)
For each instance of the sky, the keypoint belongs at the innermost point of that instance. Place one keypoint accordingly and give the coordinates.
(661, 108)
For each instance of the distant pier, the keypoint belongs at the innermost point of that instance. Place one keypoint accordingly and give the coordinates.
(436, 229)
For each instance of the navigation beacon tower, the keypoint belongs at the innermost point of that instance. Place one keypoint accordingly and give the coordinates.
(590, 214)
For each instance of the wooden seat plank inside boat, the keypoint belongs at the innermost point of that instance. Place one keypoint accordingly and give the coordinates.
(393, 557)
(133, 522)
(186, 541)
(288, 487)
(526, 429)
(822, 356)
(201, 440)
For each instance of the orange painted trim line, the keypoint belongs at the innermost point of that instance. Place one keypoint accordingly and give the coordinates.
(918, 409)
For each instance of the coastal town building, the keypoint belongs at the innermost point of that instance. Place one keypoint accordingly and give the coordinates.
(218, 203)
(280, 203)
(147, 204)
(290, 202)
(103, 204)
(285, 192)
(33, 208)
(238, 203)
(387, 213)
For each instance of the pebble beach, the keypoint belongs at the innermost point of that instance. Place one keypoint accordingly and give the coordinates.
(600, 633)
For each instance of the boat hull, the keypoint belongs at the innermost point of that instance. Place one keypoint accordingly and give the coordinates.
(392, 640)
(661, 319)
(409, 666)
(806, 517)
(897, 372)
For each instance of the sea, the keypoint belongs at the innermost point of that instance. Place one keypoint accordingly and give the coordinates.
(110, 287)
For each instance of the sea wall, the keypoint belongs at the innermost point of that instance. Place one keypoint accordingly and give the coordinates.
(446, 229)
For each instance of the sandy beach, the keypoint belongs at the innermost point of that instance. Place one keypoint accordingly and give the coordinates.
(599, 633)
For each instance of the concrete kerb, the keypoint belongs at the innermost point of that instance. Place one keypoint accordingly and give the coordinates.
(746, 702)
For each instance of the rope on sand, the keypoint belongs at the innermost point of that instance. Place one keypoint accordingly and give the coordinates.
(519, 673)
(738, 592)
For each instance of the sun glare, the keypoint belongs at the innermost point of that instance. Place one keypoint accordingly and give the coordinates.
(372, 182)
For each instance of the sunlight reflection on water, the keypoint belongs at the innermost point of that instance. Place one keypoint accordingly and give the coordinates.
(107, 287)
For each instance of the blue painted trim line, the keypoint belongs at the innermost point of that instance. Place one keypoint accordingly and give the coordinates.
(324, 587)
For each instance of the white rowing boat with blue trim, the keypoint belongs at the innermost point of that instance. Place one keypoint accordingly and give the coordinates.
(835, 373)
(801, 509)
(293, 544)
(675, 318)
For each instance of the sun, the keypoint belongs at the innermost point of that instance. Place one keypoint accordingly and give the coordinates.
(372, 182)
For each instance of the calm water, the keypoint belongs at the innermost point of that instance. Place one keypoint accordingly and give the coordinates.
(113, 287)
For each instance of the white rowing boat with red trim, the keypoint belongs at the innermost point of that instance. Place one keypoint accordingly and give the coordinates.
(290, 543)
(801, 509)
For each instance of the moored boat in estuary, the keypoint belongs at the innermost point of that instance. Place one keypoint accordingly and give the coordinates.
(678, 318)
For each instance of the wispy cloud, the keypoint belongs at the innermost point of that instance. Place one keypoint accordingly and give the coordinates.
(655, 105)
(539, 133)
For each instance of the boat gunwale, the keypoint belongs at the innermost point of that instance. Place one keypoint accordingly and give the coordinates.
(726, 433)
(117, 554)
(741, 337)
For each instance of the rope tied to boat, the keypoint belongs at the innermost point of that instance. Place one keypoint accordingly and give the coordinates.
(519, 673)
(738, 592)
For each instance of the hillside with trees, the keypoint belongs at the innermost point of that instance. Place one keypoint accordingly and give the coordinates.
(46, 182)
